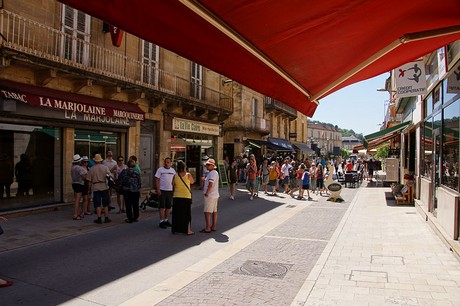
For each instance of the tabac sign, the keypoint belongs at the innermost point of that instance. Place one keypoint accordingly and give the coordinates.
(410, 79)
(184, 125)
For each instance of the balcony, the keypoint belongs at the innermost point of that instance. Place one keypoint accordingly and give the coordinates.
(37, 43)
(249, 123)
(272, 105)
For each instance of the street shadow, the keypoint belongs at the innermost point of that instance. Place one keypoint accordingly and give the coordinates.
(94, 259)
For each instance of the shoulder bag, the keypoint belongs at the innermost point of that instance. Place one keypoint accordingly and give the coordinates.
(186, 186)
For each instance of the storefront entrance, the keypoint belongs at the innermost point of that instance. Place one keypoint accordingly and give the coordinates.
(29, 166)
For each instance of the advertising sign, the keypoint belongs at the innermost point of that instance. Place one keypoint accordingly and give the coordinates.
(410, 79)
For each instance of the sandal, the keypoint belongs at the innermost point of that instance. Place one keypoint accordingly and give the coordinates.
(205, 231)
(77, 218)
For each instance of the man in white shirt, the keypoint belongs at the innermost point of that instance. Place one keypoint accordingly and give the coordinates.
(211, 197)
(164, 177)
(285, 174)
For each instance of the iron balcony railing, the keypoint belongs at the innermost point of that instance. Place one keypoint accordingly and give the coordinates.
(250, 123)
(271, 104)
(35, 39)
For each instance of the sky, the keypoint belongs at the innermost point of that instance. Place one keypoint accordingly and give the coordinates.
(358, 107)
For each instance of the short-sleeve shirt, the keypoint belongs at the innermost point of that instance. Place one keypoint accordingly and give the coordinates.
(213, 177)
(77, 172)
(166, 177)
(110, 164)
(97, 175)
(180, 189)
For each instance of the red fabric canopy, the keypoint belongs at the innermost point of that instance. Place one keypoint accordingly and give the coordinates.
(311, 47)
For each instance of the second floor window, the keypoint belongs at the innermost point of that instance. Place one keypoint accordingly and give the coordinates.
(150, 63)
(76, 29)
(196, 81)
(255, 109)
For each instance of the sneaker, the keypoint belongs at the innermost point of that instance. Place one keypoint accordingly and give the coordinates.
(167, 223)
(98, 221)
(162, 224)
(251, 198)
(107, 220)
(310, 199)
(232, 198)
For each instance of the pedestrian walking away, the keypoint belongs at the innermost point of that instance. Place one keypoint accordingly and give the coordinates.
(182, 200)
(164, 177)
(97, 180)
(131, 186)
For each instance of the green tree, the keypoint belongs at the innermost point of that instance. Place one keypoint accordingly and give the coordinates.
(382, 152)
(345, 153)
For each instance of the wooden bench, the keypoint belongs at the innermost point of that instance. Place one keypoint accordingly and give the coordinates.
(405, 195)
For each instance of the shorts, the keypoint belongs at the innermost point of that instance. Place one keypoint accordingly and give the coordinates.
(166, 199)
(101, 197)
(210, 205)
(272, 183)
(251, 184)
(86, 189)
(299, 182)
(265, 179)
(286, 180)
(371, 172)
(319, 183)
(78, 188)
(306, 186)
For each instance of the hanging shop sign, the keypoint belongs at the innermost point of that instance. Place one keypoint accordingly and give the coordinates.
(116, 34)
(71, 106)
(410, 79)
(190, 126)
(453, 81)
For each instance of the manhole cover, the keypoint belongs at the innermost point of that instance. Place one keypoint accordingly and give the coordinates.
(264, 269)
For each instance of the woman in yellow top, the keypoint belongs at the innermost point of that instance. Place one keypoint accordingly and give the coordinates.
(273, 176)
(182, 200)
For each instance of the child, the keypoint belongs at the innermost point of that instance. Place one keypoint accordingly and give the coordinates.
(305, 185)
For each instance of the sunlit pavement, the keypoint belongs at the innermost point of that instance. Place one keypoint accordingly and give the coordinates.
(274, 250)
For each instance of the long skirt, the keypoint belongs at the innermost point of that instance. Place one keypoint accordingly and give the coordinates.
(182, 215)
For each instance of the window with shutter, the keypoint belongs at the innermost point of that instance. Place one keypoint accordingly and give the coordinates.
(76, 29)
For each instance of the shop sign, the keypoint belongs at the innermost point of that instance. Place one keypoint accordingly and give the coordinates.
(410, 79)
(116, 34)
(190, 126)
(72, 109)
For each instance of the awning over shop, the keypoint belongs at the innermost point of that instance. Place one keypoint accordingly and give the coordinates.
(282, 143)
(375, 139)
(296, 52)
(303, 148)
(70, 102)
(270, 146)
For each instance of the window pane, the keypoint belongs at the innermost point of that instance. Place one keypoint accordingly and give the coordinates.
(450, 153)
(427, 149)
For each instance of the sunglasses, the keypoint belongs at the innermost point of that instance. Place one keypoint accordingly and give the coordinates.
(120, 160)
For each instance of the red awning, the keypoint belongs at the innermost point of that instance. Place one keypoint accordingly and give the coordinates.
(59, 100)
(295, 51)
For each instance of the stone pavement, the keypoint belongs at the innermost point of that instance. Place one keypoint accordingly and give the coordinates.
(365, 251)
(378, 254)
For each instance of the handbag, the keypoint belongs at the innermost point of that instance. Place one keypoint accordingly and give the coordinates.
(110, 181)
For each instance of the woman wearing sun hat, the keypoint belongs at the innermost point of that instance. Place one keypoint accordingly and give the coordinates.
(78, 174)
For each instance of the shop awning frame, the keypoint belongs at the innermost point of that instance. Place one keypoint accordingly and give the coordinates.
(375, 139)
(303, 147)
(270, 146)
(282, 143)
(296, 52)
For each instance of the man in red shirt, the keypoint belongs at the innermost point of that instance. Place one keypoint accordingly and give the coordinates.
(252, 176)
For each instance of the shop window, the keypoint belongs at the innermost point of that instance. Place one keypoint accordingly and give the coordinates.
(29, 166)
(428, 105)
(437, 97)
(95, 142)
(427, 149)
(450, 149)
